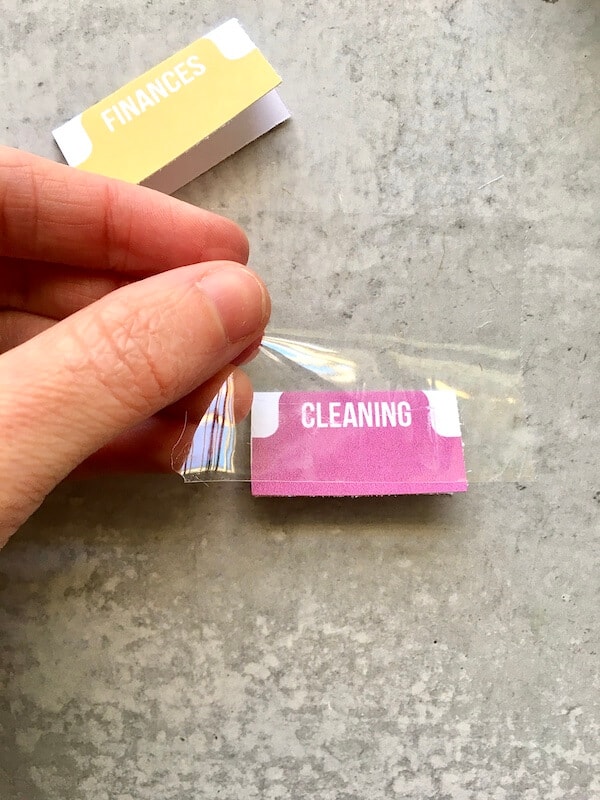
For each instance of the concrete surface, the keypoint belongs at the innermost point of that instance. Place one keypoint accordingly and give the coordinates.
(160, 641)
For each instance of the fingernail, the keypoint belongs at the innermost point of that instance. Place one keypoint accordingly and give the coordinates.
(240, 299)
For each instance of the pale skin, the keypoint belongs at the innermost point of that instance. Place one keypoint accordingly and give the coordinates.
(122, 311)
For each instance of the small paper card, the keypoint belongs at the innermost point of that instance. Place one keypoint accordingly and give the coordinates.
(180, 118)
(356, 443)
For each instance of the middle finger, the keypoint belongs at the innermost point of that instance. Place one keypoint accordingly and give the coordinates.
(51, 290)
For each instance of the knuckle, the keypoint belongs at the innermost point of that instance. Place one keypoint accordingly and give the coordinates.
(123, 352)
(116, 227)
(18, 194)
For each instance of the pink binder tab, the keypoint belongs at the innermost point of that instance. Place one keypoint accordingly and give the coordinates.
(335, 444)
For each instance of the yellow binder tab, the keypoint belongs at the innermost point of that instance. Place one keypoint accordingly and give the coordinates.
(181, 117)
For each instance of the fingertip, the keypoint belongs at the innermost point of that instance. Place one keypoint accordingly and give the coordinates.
(242, 244)
(230, 241)
(242, 394)
(239, 297)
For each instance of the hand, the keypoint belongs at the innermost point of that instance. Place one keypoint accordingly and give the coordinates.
(108, 341)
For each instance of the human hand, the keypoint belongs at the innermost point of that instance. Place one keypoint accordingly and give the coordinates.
(108, 341)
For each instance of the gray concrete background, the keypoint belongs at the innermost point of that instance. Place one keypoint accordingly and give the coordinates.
(161, 641)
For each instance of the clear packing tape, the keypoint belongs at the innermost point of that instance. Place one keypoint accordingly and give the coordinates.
(486, 380)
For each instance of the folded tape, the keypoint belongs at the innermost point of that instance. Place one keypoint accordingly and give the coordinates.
(365, 415)
(180, 118)
(356, 443)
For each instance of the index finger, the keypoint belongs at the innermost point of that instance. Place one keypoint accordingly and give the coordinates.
(52, 212)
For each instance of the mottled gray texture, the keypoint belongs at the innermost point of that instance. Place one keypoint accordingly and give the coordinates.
(167, 642)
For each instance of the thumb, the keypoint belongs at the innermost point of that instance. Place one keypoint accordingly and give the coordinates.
(69, 391)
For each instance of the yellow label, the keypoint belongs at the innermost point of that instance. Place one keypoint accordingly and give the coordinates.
(157, 117)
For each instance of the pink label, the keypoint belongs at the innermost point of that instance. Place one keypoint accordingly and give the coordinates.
(356, 443)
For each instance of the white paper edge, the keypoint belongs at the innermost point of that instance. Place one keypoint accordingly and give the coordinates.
(232, 40)
(443, 410)
(265, 414)
(74, 142)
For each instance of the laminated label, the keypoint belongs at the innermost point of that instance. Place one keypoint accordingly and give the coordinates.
(356, 443)
(181, 117)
